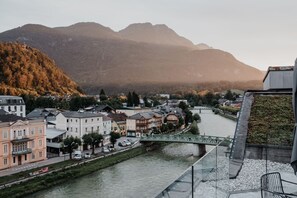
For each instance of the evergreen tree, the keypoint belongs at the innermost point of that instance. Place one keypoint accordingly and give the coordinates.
(135, 99)
(102, 96)
(129, 100)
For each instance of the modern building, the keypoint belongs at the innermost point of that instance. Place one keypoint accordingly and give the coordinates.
(278, 78)
(143, 123)
(13, 105)
(22, 140)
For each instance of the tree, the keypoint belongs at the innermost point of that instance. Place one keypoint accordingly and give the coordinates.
(170, 126)
(71, 143)
(129, 100)
(92, 139)
(102, 96)
(194, 128)
(135, 99)
(228, 95)
(196, 117)
(183, 105)
(113, 137)
(146, 103)
(180, 121)
(188, 117)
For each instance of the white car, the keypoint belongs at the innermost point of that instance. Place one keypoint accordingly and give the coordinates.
(127, 143)
(105, 150)
(87, 155)
(77, 155)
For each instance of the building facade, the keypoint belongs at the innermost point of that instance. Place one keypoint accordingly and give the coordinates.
(13, 105)
(143, 123)
(79, 123)
(22, 141)
(278, 78)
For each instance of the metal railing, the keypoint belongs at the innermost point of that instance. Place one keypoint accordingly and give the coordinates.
(208, 177)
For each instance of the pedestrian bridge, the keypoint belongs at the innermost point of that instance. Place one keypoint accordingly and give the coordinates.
(187, 138)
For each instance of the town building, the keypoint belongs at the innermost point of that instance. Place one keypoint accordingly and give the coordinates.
(13, 105)
(78, 123)
(22, 140)
(118, 123)
(143, 123)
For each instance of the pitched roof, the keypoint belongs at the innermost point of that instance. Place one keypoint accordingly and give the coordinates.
(118, 116)
(11, 118)
(75, 114)
(145, 115)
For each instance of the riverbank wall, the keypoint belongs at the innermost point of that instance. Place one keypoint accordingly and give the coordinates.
(66, 174)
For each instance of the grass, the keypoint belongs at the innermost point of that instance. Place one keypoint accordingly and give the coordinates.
(52, 179)
(271, 120)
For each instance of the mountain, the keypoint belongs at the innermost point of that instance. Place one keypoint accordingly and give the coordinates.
(97, 57)
(25, 70)
(157, 34)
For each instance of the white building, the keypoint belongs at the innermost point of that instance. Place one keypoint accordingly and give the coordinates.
(278, 78)
(79, 123)
(13, 105)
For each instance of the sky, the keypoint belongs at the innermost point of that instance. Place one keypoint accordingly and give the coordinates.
(259, 33)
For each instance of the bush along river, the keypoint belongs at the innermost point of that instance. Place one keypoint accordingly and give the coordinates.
(145, 175)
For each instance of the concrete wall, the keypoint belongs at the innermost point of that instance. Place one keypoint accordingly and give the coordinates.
(278, 80)
(275, 153)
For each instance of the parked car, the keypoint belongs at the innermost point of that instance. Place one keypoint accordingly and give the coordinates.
(77, 155)
(87, 155)
(111, 148)
(122, 144)
(105, 150)
(127, 142)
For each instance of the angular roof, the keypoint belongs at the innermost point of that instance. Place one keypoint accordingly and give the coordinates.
(42, 112)
(51, 133)
(11, 118)
(145, 115)
(75, 114)
(118, 116)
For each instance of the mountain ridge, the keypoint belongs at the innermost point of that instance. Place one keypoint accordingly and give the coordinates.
(105, 60)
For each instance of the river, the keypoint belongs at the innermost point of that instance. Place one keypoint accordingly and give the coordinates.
(145, 175)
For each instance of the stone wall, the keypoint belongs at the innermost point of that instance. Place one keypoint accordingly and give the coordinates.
(275, 153)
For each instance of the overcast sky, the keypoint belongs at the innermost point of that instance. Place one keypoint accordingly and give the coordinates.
(260, 33)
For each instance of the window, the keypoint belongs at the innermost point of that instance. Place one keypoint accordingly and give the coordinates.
(76, 130)
(86, 120)
(70, 120)
(67, 120)
(33, 144)
(92, 129)
(40, 154)
(25, 157)
(19, 133)
(4, 134)
(40, 142)
(97, 128)
(92, 120)
(76, 120)
(9, 108)
(5, 161)
(22, 115)
(24, 132)
(104, 132)
(67, 128)
(71, 129)
(21, 108)
(86, 129)
(15, 108)
(32, 131)
(33, 156)
(40, 130)
(13, 159)
(5, 148)
(97, 119)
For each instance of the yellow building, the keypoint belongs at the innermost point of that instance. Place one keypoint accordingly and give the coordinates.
(22, 140)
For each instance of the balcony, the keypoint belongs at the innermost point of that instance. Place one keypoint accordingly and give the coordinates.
(20, 139)
(22, 152)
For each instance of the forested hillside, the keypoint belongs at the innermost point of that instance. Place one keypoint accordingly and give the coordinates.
(25, 70)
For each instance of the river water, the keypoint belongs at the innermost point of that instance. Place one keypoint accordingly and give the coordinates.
(145, 175)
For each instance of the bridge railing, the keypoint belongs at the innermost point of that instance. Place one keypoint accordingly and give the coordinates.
(208, 177)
